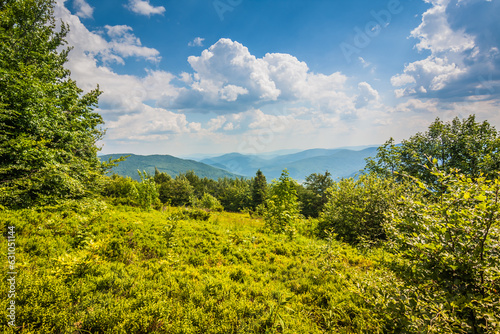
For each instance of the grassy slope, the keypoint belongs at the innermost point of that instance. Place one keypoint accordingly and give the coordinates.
(120, 270)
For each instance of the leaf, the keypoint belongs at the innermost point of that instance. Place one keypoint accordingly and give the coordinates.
(481, 198)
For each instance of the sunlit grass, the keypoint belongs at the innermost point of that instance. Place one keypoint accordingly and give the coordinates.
(122, 270)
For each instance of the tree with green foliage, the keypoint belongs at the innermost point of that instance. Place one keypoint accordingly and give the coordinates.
(48, 127)
(195, 182)
(282, 205)
(449, 244)
(161, 177)
(200, 185)
(357, 209)
(176, 192)
(234, 194)
(467, 145)
(387, 161)
(148, 195)
(259, 189)
(314, 195)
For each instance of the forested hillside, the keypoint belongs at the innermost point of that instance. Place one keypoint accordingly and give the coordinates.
(164, 163)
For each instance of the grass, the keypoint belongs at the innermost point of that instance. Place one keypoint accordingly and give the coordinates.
(87, 268)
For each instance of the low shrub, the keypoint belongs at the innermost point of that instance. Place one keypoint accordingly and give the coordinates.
(357, 208)
(208, 202)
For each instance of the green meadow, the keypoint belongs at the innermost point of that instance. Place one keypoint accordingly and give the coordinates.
(91, 267)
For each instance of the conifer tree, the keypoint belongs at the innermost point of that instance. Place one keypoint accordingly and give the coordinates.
(259, 189)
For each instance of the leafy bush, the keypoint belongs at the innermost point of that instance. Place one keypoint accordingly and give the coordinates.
(123, 190)
(450, 245)
(147, 192)
(208, 202)
(356, 209)
(195, 214)
(282, 205)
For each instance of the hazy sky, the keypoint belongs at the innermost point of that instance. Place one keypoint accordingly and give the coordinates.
(217, 76)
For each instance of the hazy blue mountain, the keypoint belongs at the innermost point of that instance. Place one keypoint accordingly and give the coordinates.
(339, 162)
(165, 163)
(264, 155)
(342, 163)
(317, 152)
(238, 163)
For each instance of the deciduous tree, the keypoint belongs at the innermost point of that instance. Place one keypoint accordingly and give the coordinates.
(282, 205)
(467, 145)
(48, 126)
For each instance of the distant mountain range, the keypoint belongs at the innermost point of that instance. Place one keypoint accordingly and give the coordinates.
(339, 162)
(165, 163)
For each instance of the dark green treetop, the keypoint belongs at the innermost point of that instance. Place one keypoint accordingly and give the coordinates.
(259, 189)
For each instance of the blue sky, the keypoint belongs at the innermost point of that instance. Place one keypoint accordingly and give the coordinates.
(218, 76)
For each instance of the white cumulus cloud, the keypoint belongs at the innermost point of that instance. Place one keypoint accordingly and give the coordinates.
(151, 124)
(143, 7)
(227, 72)
(461, 53)
(83, 9)
(366, 95)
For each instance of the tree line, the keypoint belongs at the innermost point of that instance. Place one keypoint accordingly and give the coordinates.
(233, 195)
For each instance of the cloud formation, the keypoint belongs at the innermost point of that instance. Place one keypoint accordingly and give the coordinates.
(198, 41)
(143, 7)
(83, 9)
(463, 60)
(227, 76)
(236, 100)
(366, 95)
(94, 51)
(152, 124)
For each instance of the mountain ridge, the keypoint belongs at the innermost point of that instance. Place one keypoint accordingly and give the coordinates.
(340, 162)
(165, 163)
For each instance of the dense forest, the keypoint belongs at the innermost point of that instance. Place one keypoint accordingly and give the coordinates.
(409, 245)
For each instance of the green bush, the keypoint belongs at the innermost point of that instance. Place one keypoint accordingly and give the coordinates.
(282, 205)
(123, 190)
(195, 214)
(148, 196)
(208, 202)
(356, 209)
(449, 248)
